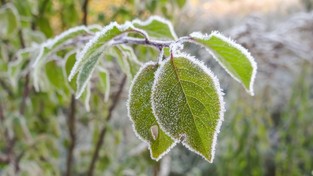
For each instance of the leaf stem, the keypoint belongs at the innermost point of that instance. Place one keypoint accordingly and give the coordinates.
(139, 41)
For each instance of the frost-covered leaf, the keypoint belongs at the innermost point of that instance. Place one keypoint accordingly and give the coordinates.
(70, 59)
(97, 44)
(140, 113)
(235, 59)
(104, 81)
(130, 60)
(85, 73)
(188, 103)
(54, 44)
(157, 28)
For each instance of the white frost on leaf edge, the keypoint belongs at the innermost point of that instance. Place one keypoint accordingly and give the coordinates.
(218, 90)
(51, 42)
(131, 119)
(199, 35)
(98, 35)
(80, 91)
(157, 18)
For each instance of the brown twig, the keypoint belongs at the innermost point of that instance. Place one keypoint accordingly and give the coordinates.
(85, 12)
(115, 100)
(72, 128)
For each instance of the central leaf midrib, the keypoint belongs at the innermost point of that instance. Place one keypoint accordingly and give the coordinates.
(185, 96)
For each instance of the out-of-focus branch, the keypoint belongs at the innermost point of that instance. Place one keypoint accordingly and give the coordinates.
(85, 12)
(72, 128)
(115, 100)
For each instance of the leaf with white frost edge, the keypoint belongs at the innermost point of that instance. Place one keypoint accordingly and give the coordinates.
(55, 44)
(139, 108)
(99, 41)
(157, 28)
(130, 59)
(188, 104)
(85, 73)
(234, 58)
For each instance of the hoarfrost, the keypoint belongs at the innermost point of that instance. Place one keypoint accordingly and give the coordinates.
(160, 73)
(232, 43)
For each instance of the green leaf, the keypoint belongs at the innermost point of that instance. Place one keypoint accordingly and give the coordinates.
(55, 44)
(157, 28)
(55, 75)
(188, 103)
(140, 113)
(104, 80)
(98, 43)
(85, 73)
(9, 20)
(69, 63)
(235, 59)
(130, 60)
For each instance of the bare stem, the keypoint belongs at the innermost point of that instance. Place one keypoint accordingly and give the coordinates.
(131, 40)
(72, 128)
(115, 100)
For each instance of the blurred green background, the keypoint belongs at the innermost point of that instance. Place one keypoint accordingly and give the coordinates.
(268, 134)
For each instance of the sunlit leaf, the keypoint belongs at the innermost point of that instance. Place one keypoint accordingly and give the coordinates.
(140, 112)
(235, 59)
(188, 104)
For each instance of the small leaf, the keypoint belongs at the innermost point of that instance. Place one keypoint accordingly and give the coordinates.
(140, 113)
(104, 80)
(70, 59)
(54, 44)
(188, 103)
(157, 28)
(9, 20)
(85, 73)
(235, 59)
(98, 43)
(131, 60)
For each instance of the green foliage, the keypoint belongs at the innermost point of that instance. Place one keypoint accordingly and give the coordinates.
(173, 99)
(140, 112)
(188, 104)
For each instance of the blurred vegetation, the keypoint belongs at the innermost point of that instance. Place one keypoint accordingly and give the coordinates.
(269, 134)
